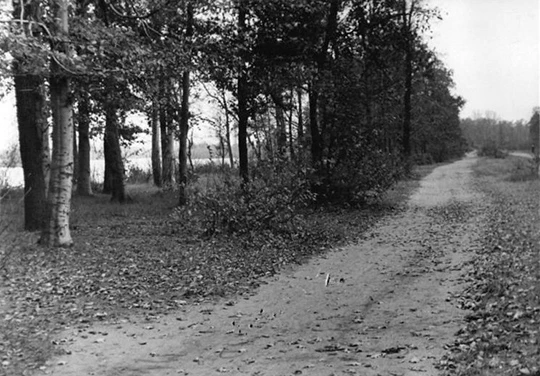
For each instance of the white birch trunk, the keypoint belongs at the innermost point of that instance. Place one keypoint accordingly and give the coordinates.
(61, 183)
(56, 232)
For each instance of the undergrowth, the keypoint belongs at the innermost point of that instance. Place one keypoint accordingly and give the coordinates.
(512, 169)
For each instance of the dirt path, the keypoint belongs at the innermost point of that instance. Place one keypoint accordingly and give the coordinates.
(384, 306)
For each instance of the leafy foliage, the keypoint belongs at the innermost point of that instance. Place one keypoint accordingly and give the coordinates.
(269, 202)
(363, 177)
(491, 150)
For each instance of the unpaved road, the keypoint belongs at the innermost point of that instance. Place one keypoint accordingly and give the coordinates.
(384, 306)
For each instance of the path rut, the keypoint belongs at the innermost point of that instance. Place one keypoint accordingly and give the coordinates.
(384, 306)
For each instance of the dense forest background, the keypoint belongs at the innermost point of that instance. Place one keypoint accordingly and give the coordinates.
(488, 130)
(321, 101)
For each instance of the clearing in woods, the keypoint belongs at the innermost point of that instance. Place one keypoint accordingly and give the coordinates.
(386, 305)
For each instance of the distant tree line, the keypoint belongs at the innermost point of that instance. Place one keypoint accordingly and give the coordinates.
(489, 131)
(344, 92)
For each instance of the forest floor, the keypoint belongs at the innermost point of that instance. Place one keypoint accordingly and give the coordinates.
(447, 285)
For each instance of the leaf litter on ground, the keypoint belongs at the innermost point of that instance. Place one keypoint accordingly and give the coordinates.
(131, 260)
(501, 334)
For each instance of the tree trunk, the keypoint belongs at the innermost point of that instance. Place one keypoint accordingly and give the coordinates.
(222, 148)
(243, 113)
(75, 157)
(156, 152)
(406, 136)
(31, 119)
(534, 131)
(228, 131)
(107, 174)
(184, 128)
(281, 136)
(407, 104)
(190, 147)
(290, 123)
(113, 154)
(184, 120)
(33, 128)
(300, 121)
(84, 184)
(56, 232)
(167, 144)
(46, 152)
(317, 133)
(316, 151)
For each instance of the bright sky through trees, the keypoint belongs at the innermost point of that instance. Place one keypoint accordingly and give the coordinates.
(493, 48)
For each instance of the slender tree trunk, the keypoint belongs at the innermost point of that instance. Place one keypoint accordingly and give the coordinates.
(184, 128)
(31, 119)
(75, 157)
(316, 151)
(243, 113)
(56, 232)
(534, 132)
(407, 104)
(184, 120)
(406, 136)
(290, 122)
(228, 131)
(46, 152)
(222, 148)
(317, 133)
(190, 147)
(84, 184)
(167, 143)
(243, 118)
(113, 154)
(300, 121)
(281, 126)
(156, 152)
(107, 174)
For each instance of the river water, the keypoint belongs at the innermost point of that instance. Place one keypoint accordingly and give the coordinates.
(13, 176)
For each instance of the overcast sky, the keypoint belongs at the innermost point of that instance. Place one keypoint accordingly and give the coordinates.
(493, 48)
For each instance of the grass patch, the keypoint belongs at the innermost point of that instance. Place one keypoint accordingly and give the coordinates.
(135, 259)
(512, 169)
(502, 336)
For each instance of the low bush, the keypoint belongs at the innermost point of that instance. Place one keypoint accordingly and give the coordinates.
(523, 171)
(269, 201)
(423, 159)
(358, 180)
(492, 151)
(136, 175)
(512, 169)
(212, 168)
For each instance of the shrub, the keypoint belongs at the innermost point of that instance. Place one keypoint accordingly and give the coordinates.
(423, 159)
(491, 150)
(523, 170)
(211, 168)
(359, 179)
(136, 174)
(269, 202)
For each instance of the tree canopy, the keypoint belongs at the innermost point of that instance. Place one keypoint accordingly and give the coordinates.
(347, 90)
